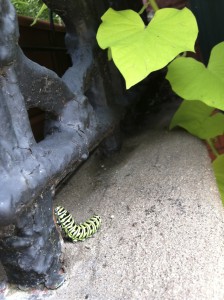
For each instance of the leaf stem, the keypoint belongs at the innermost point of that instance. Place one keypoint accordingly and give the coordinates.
(154, 5)
(143, 8)
(211, 144)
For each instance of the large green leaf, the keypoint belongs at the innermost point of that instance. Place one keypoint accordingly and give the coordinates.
(218, 167)
(196, 118)
(138, 50)
(191, 80)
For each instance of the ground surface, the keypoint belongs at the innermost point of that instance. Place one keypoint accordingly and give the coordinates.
(162, 231)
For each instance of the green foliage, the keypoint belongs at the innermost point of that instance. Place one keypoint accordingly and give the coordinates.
(138, 50)
(30, 8)
(218, 167)
(35, 9)
(196, 117)
(191, 80)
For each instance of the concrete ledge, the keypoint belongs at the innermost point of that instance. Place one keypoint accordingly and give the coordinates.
(162, 232)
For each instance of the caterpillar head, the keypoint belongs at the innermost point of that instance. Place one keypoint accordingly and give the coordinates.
(58, 209)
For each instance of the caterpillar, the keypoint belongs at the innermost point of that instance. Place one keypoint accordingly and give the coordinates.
(73, 231)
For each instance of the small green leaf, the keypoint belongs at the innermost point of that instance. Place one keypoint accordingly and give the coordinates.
(218, 167)
(196, 118)
(191, 80)
(42, 9)
(191, 116)
(138, 50)
(213, 126)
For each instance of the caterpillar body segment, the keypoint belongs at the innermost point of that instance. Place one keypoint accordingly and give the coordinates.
(76, 232)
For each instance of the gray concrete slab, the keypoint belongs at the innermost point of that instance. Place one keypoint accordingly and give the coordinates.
(162, 235)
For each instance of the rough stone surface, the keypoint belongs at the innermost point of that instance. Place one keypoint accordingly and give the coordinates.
(162, 231)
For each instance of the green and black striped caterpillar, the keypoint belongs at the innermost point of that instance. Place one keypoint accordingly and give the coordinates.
(73, 231)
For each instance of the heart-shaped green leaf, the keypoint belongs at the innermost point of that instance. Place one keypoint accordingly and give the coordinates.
(196, 118)
(138, 50)
(191, 80)
(218, 167)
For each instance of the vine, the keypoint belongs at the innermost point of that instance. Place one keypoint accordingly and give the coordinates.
(137, 50)
(204, 119)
